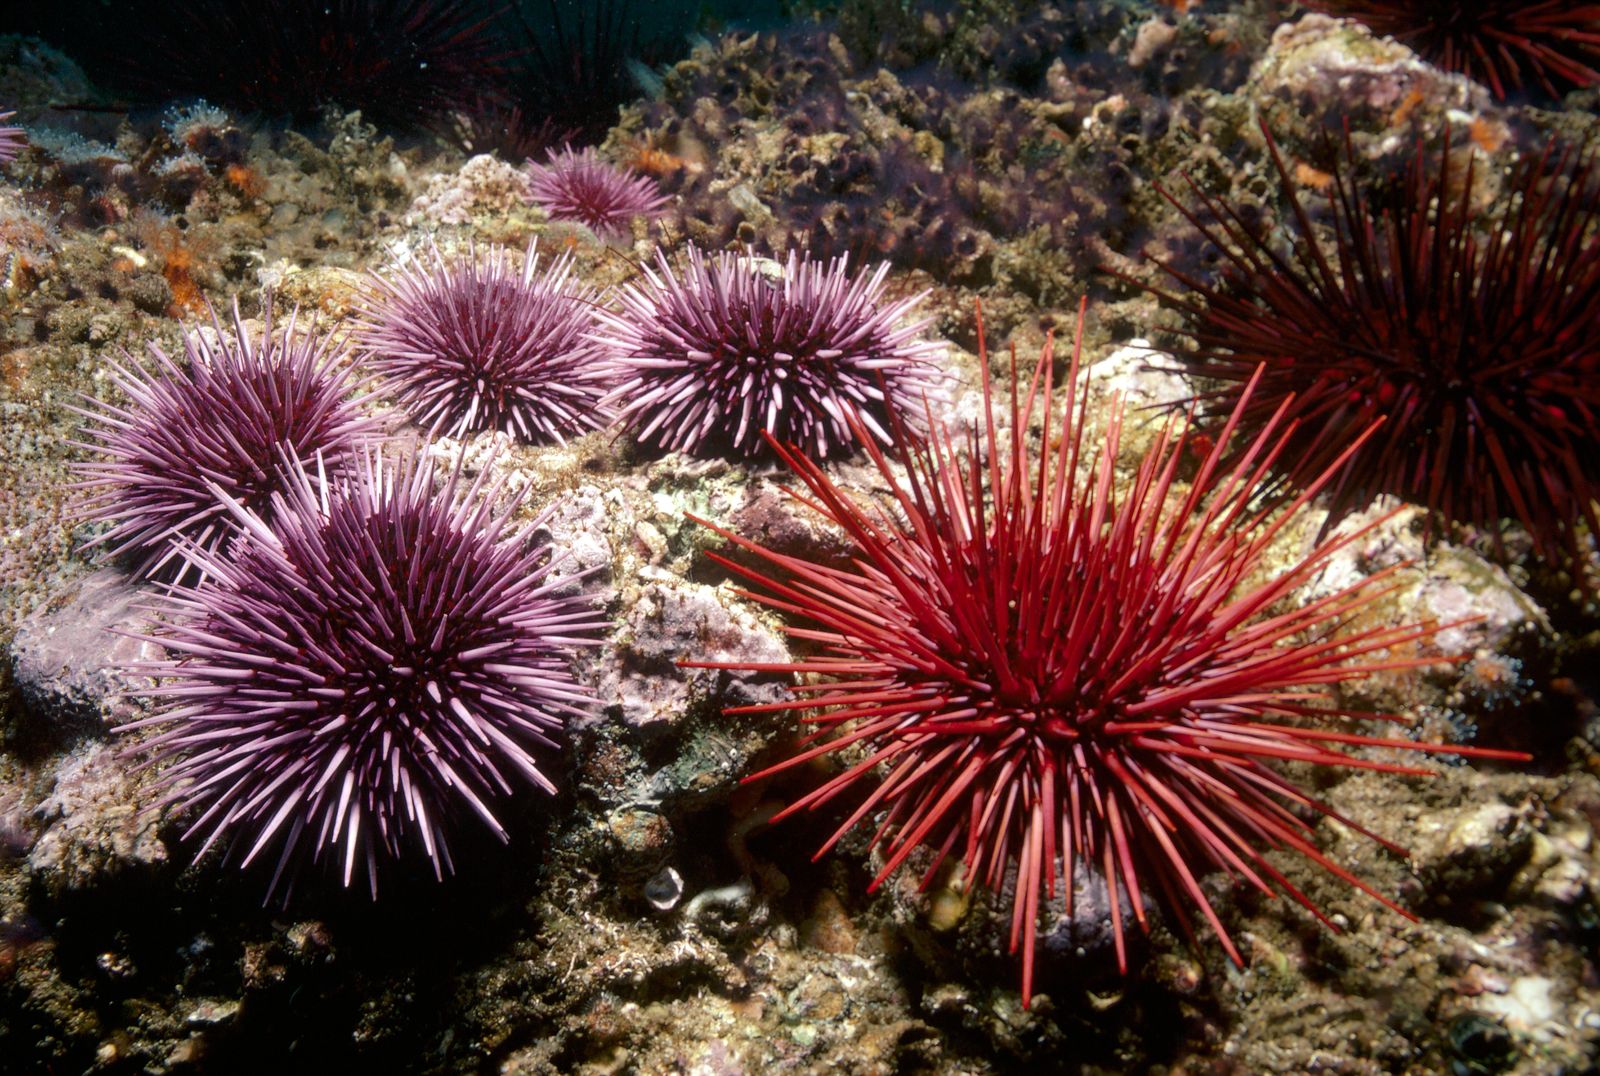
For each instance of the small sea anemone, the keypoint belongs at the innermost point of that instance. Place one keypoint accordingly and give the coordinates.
(1045, 671)
(381, 659)
(1506, 44)
(578, 185)
(471, 344)
(12, 139)
(1477, 341)
(221, 421)
(739, 345)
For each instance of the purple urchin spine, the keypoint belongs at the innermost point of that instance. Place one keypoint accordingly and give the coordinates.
(382, 658)
(220, 421)
(735, 346)
(12, 139)
(470, 344)
(577, 185)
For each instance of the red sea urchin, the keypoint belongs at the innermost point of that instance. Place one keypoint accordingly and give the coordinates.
(708, 361)
(218, 422)
(382, 659)
(1479, 342)
(471, 344)
(1052, 673)
(1506, 44)
(577, 185)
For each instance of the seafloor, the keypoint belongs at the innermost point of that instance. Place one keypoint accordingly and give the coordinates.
(648, 919)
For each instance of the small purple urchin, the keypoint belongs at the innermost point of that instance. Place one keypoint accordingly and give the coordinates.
(708, 361)
(220, 422)
(471, 344)
(376, 662)
(578, 185)
(11, 139)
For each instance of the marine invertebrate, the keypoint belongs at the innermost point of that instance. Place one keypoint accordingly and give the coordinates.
(401, 62)
(578, 72)
(382, 659)
(221, 421)
(1506, 44)
(1477, 340)
(737, 345)
(12, 139)
(578, 185)
(1054, 672)
(472, 344)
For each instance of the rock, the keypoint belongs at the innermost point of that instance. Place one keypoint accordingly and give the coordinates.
(668, 620)
(93, 822)
(66, 660)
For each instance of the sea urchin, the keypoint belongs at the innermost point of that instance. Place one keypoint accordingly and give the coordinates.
(382, 659)
(577, 185)
(1053, 671)
(707, 361)
(1507, 44)
(221, 421)
(472, 344)
(11, 139)
(1478, 342)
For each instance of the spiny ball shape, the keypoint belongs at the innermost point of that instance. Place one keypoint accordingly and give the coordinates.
(1044, 670)
(472, 344)
(577, 185)
(382, 659)
(737, 345)
(1506, 44)
(400, 62)
(12, 139)
(1477, 341)
(219, 421)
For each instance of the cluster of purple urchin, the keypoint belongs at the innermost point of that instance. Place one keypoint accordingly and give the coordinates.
(360, 656)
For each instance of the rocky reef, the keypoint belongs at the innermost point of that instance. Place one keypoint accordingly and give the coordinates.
(1006, 156)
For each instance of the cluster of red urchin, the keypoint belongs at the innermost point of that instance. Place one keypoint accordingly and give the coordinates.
(1051, 671)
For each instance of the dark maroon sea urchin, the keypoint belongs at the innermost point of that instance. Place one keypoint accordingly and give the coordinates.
(1477, 341)
(1044, 670)
(347, 683)
(220, 421)
(472, 344)
(738, 345)
(577, 185)
(1505, 44)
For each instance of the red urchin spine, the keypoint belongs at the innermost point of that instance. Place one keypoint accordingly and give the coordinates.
(1505, 44)
(1049, 670)
(1478, 343)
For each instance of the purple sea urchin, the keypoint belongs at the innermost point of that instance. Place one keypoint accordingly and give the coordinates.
(709, 360)
(1477, 340)
(11, 139)
(382, 658)
(219, 422)
(471, 344)
(578, 185)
